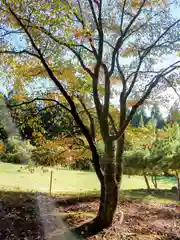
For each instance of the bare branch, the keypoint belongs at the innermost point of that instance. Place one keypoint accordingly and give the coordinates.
(19, 53)
(106, 94)
(122, 95)
(92, 127)
(121, 74)
(94, 14)
(39, 99)
(70, 47)
(122, 17)
(171, 85)
(113, 124)
(120, 39)
(134, 18)
(149, 48)
(152, 85)
(135, 77)
(81, 20)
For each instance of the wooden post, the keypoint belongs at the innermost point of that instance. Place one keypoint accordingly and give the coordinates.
(50, 185)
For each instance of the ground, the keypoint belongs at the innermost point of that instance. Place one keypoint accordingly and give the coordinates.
(22, 219)
(30, 215)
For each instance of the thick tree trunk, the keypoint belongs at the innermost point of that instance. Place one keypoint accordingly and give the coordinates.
(147, 182)
(104, 218)
(108, 198)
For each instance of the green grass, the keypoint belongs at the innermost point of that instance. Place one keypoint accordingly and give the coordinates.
(64, 181)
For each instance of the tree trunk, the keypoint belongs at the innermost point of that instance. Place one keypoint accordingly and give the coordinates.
(154, 180)
(147, 182)
(108, 198)
(178, 185)
(119, 159)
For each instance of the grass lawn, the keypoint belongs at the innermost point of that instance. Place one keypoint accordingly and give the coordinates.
(68, 182)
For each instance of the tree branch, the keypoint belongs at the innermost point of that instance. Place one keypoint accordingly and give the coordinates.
(171, 85)
(39, 99)
(74, 113)
(149, 48)
(35, 114)
(135, 77)
(71, 49)
(94, 51)
(153, 84)
(122, 17)
(112, 124)
(19, 53)
(120, 39)
(92, 127)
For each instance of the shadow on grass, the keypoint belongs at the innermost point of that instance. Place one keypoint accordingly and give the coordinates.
(156, 194)
(19, 216)
(161, 195)
(71, 200)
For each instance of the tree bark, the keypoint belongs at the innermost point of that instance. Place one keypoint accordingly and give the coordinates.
(119, 159)
(108, 198)
(147, 182)
(178, 185)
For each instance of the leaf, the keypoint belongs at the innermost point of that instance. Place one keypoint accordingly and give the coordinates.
(77, 33)
(138, 3)
(129, 51)
(19, 97)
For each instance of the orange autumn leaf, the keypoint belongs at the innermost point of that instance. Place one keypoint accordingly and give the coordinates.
(1, 147)
(77, 33)
(98, 137)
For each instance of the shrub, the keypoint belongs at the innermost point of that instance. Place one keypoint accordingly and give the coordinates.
(84, 164)
(46, 157)
(16, 151)
(64, 153)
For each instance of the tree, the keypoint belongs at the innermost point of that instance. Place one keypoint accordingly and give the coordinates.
(100, 41)
(137, 162)
(171, 162)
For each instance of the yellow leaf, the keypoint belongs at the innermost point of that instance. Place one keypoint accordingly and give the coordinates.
(69, 74)
(129, 51)
(19, 97)
(137, 3)
(163, 134)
